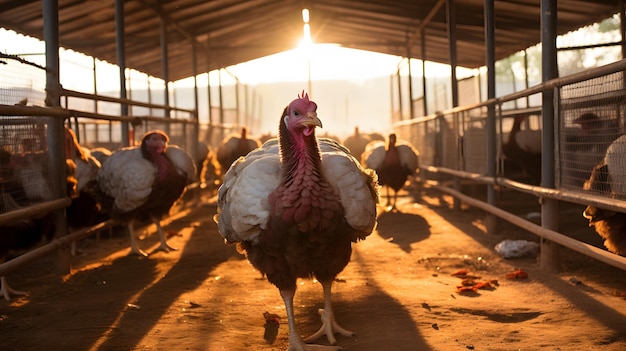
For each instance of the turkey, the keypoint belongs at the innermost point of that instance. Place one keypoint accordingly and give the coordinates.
(356, 143)
(202, 156)
(233, 147)
(393, 164)
(608, 175)
(523, 149)
(23, 234)
(143, 182)
(87, 166)
(376, 136)
(87, 161)
(100, 154)
(294, 206)
(84, 211)
(206, 168)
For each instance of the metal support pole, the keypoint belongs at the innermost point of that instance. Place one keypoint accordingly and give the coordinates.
(451, 19)
(411, 109)
(166, 71)
(423, 46)
(56, 132)
(121, 62)
(209, 133)
(237, 110)
(195, 134)
(622, 27)
(221, 99)
(491, 220)
(399, 93)
(526, 82)
(549, 69)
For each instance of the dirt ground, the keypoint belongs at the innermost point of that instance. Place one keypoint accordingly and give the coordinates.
(397, 293)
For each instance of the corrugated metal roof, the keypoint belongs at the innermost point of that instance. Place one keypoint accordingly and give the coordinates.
(227, 32)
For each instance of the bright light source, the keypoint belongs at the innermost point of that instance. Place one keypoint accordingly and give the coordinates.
(305, 15)
(306, 37)
(307, 32)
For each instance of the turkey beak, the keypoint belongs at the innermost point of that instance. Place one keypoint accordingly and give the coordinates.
(312, 120)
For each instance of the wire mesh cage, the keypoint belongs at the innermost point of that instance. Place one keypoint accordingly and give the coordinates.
(25, 163)
(21, 82)
(591, 118)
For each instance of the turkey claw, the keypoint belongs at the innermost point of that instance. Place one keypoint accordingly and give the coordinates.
(165, 247)
(138, 252)
(329, 328)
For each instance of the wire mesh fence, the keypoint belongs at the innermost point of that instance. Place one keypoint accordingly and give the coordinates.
(25, 164)
(591, 117)
(21, 82)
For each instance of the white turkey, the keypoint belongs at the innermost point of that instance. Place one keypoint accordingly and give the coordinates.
(610, 175)
(294, 207)
(394, 162)
(143, 182)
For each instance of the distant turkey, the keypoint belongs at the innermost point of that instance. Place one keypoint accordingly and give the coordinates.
(523, 149)
(394, 162)
(233, 147)
(294, 207)
(24, 234)
(143, 182)
(356, 143)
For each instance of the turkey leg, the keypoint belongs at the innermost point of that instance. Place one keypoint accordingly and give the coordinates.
(329, 324)
(295, 340)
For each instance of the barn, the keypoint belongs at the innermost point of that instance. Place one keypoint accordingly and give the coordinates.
(480, 185)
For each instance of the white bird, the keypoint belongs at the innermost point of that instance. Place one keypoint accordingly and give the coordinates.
(144, 182)
(394, 162)
(294, 207)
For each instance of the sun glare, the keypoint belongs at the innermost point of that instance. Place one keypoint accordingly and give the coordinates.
(306, 41)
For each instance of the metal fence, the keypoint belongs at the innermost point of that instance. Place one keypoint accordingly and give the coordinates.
(32, 157)
(589, 116)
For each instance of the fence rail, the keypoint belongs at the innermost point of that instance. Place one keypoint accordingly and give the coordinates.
(454, 145)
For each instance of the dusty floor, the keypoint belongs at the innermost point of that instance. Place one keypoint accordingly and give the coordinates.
(397, 293)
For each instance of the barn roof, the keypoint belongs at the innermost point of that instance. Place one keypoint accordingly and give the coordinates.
(228, 32)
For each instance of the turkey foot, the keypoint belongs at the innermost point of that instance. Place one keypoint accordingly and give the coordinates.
(7, 291)
(164, 245)
(329, 328)
(134, 248)
(295, 340)
(137, 251)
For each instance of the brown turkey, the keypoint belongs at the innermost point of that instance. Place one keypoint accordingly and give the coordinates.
(356, 143)
(233, 147)
(608, 176)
